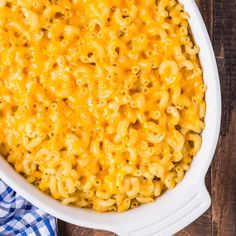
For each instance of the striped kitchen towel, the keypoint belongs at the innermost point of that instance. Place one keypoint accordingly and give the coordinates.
(20, 218)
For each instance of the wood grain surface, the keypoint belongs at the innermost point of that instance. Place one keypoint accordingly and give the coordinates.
(220, 219)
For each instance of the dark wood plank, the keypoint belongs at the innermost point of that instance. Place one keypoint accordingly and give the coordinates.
(224, 183)
(224, 165)
(206, 9)
(220, 219)
(66, 229)
(224, 46)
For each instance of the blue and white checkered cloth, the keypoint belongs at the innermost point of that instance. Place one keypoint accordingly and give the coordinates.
(20, 218)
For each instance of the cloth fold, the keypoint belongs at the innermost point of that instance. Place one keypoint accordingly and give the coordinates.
(19, 217)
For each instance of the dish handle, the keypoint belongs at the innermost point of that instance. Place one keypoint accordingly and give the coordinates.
(193, 205)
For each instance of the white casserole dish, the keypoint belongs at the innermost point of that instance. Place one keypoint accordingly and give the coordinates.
(176, 208)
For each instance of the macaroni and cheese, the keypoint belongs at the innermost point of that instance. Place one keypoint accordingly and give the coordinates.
(101, 102)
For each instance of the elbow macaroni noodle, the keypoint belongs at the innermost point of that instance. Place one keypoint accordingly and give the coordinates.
(101, 102)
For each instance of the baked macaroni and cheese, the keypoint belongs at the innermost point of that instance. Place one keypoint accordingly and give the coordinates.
(101, 101)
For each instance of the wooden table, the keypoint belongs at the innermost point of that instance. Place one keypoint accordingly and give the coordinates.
(220, 219)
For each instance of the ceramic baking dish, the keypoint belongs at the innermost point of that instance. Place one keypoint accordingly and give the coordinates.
(176, 208)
